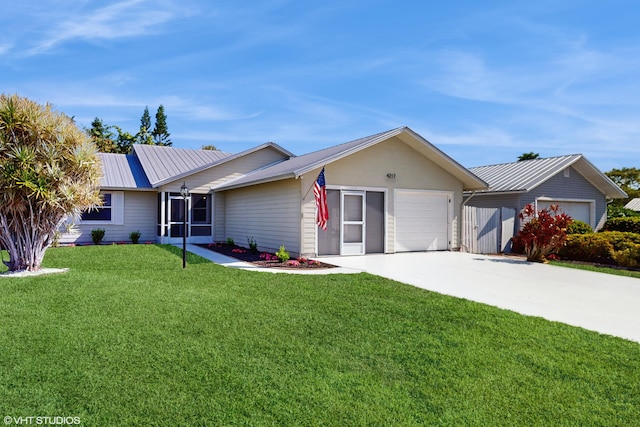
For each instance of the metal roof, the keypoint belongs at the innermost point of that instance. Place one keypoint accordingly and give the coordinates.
(122, 171)
(634, 204)
(524, 176)
(162, 164)
(297, 166)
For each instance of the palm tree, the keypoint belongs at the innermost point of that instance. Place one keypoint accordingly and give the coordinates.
(49, 169)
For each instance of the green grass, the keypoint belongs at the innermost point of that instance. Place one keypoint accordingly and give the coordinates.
(607, 270)
(128, 337)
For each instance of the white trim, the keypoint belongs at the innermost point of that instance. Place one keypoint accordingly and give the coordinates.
(357, 248)
(117, 210)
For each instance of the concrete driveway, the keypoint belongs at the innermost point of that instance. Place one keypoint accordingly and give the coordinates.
(600, 302)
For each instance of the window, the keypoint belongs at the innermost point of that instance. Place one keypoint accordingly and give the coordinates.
(111, 211)
(100, 213)
(201, 209)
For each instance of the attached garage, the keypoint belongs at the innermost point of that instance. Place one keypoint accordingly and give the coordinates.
(422, 220)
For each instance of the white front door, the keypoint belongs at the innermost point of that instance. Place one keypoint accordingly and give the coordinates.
(353, 220)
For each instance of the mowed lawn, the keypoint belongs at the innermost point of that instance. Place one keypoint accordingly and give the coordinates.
(128, 337)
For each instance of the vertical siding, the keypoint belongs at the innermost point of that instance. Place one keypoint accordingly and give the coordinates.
(270, 213)
(140, 210)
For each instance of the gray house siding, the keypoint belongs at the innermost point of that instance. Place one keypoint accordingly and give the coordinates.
(572, 187)
(139, 214)
(270, 213)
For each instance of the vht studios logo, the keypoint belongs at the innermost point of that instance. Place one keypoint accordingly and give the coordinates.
(42, 421)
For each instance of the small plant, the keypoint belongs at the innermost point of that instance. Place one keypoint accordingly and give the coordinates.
(97, 234)
(544, 231)
(135, 237)
(253, 245)
(282, 254)
(230, 241)
(268, 257)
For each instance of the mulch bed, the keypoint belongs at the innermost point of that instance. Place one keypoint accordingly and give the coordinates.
(262, 259)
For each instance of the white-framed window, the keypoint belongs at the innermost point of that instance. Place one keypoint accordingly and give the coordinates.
(110, 212)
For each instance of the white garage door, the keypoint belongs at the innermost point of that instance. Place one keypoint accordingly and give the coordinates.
(422, 220)
(575, 209)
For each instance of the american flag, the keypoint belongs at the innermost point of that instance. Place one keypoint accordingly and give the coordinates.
(320, 191)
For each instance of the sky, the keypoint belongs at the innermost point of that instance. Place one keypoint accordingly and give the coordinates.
(483, 81)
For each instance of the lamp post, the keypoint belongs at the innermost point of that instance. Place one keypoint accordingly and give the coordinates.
(184, 192)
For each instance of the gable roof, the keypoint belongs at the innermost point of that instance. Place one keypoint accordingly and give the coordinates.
(166, 164)
(297, 166)
(524, 176)
(122, 171)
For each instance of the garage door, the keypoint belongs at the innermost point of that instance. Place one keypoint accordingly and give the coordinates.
(422, 220)
(575, 209)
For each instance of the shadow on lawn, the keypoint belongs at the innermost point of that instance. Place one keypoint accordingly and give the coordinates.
(191, 258)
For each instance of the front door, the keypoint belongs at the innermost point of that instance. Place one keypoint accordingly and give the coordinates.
(176, 218)
(353, 220)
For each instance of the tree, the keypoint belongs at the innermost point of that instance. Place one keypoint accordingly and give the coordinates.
(528, 156)
(144, 135)
(102, 136)
(628, 179)
(209, 147)
(49, 169)
(124, 142)
(160, 131)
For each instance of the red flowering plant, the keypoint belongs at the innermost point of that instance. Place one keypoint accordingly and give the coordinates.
(543, 233)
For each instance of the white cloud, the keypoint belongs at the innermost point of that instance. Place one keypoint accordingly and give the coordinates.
(123, 19)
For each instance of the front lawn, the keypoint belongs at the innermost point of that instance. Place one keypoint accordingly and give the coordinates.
(128, 337)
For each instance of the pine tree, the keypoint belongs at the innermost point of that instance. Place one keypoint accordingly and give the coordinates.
(144, 135)
(102, 136)
(160, 132)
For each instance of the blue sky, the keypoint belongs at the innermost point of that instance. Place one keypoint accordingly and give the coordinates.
(483, 81)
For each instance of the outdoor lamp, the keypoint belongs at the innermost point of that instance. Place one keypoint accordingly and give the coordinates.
(184, 192)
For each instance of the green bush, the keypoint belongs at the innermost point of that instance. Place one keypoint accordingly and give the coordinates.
(282, 254)
(134, 236)
(629, 224)
(590, 247)
(253, 245)
(607, 247)
(628, 255)
(97, 234)
(579, 227)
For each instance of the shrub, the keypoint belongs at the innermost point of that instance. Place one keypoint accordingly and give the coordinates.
(230, 241)
(253, 245)
(544, 231)
(282, 254)
(590, 247)
(134, 236)
(628, 255)
(97, 234)
(629, 224)
(579, 227)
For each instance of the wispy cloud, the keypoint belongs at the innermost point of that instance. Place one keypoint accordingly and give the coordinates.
(123, 19)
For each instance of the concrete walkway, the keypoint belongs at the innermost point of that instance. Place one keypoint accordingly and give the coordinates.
(596, 301)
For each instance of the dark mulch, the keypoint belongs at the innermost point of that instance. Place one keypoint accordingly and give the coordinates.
(260, 259)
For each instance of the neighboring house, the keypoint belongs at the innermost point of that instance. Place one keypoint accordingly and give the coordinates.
(389, 192)
(634, 204)
(571, 181)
